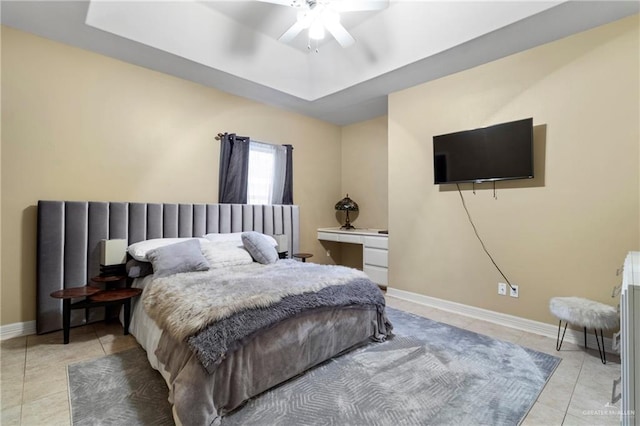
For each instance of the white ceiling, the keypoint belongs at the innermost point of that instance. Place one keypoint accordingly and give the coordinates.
(233, 46)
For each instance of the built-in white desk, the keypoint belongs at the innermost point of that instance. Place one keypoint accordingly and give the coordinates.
(375, 249)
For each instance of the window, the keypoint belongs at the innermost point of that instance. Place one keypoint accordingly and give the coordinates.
(254, 172)
(267, 170)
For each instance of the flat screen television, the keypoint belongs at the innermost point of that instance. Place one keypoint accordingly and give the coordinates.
(499, 152)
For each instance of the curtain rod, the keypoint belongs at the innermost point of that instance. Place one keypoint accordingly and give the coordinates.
(220, 135)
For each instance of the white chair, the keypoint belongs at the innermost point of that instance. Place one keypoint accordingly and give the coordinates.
(587, 314)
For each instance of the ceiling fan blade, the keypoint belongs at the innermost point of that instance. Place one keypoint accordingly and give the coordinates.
(339, 32)
(280, 2)
(292, 32)
(359, 5)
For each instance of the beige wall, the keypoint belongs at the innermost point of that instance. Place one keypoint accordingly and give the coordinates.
(364, 171)
(564, 233)
(365, 179)
(81, 126)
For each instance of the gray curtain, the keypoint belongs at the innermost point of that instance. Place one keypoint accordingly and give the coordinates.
(287, 195)
(234, 169)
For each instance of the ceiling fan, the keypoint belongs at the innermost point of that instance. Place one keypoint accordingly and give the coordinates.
(319, 16)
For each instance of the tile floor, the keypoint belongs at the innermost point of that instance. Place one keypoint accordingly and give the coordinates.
(33, 379)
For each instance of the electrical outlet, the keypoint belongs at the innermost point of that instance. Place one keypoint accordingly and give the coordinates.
(328, 253)
(502, 289)
(514, 290)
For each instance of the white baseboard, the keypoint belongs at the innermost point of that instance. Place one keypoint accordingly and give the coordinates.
(17, 329)
(536, 327)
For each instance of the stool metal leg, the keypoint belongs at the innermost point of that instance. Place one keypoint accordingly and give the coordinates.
(603, 356)
(559, 340)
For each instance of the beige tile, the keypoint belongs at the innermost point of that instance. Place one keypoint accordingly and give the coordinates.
(11, 416)
(542, 414)
(12, 363)
(394, 302)
(11, 392)
(50, 410)
(539, 343)
(112, 337)
(112, 344)
(571, 356)
(53, 352)
(12, 367)
(592, 401)
(570, 366)
(570, 420)
(495, 330)
(428, 312)
(591, 419)
(106, 328)
(449, 318)
(558, 390)
(12, 358)
(82, 333)
(597, 370)
(14, 343)
(44, 381)
(407, 306)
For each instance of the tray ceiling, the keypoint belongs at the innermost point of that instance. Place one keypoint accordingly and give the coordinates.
(233, 45)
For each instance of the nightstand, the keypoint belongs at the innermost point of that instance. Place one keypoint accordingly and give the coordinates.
(93, 298)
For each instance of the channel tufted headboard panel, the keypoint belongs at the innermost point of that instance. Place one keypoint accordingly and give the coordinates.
(69, 233)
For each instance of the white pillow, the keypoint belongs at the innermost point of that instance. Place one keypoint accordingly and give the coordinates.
(236, 237)
(221, 255)
(233, 237)
(139, 250)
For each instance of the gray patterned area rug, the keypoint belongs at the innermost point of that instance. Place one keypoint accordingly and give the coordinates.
(118, 389)
(429, 374)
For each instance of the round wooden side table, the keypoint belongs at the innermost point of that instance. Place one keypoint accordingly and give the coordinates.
(109, 281)
(66, 295)
(94, 297)
(118, 295)
(302, 256)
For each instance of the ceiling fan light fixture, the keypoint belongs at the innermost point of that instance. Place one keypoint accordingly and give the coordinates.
(316, 31)
(304, 18)
(321, 16)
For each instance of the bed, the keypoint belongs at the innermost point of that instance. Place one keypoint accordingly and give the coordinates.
(325, 311)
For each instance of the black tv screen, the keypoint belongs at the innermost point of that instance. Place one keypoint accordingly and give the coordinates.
(499, 152)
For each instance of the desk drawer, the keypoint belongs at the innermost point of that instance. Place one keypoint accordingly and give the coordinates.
(328, 236)
(376, 257)
(376, 242)
(376, 274)
(353, 239)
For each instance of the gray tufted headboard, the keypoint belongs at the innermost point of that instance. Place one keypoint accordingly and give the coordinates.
(69, 233)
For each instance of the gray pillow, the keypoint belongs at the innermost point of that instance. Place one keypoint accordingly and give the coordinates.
(176, 258)
(259, 247)
(138, 269)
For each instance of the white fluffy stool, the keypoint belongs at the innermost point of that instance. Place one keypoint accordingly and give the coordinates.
(587, 314)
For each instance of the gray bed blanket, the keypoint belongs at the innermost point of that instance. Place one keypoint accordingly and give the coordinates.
(185, 304)
(227, 334)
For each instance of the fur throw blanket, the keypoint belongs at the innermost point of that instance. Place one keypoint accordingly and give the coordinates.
(213, 343)
(184, 304)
